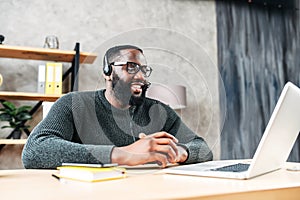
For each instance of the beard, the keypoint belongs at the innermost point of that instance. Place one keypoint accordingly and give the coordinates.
(123, 92)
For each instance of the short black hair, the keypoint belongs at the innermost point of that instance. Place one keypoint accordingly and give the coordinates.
(115, 51)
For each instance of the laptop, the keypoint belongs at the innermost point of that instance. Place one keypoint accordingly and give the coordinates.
(272, 152)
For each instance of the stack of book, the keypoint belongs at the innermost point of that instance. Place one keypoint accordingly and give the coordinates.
(90, 173)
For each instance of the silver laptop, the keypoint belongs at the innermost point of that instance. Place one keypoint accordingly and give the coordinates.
(272, 152)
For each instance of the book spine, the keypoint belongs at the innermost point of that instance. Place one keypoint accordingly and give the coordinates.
(41, 78)
(49, 86)
(58, 69)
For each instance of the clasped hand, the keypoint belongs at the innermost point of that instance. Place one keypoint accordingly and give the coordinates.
(160, 147)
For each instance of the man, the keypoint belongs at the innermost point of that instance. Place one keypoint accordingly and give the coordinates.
(114, 125)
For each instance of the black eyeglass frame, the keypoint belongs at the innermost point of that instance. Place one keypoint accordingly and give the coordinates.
(146, 70)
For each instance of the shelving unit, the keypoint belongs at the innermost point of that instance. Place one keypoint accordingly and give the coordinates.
(75, 57)
(8, 96)
(12, 141)
(45, 54)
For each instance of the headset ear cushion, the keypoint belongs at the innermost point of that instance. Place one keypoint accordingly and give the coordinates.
(107, 70)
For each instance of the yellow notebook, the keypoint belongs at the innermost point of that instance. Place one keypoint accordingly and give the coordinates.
(91, 174)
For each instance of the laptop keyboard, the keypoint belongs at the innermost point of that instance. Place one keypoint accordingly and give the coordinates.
(239, 167)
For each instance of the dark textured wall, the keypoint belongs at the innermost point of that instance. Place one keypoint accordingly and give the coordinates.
(258, 52)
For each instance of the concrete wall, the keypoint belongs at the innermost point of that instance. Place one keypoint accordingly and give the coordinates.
(179, 38)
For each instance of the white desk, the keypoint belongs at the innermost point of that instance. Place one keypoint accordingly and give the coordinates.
(145, 184)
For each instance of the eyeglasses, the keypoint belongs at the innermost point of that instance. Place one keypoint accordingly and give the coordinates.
(133, 68)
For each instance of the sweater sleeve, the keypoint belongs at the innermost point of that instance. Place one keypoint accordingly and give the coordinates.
(50, 143)
(196, 146)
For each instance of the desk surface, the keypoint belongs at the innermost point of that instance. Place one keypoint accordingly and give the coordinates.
(148, 184)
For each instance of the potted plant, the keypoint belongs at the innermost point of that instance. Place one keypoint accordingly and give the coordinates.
(16, 117)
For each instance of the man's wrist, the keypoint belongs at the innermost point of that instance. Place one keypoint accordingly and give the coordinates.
(184, 153)
(116, 155)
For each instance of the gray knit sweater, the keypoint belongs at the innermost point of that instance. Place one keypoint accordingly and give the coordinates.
(82, 127)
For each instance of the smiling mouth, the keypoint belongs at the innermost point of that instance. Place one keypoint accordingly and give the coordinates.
(137, 88)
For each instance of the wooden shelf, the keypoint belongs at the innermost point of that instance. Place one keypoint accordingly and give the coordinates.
(44, 54)
(75, 57)
(28, 96)
(13, 141)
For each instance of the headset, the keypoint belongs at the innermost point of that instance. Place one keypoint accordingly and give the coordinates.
(107, 69)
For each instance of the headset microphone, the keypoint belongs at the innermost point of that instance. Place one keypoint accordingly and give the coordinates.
(145, 87)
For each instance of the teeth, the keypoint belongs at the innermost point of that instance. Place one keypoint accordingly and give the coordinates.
(137, 86)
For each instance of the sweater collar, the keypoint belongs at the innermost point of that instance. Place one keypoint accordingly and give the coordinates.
(107, 105)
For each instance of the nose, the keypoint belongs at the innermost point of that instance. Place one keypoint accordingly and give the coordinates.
(139, 75)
